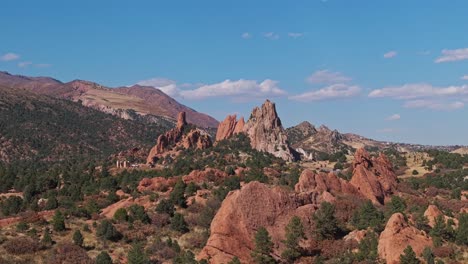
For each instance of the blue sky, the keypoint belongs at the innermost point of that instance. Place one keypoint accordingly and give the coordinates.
(389, 70)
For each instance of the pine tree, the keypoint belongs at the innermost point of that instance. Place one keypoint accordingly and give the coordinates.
(461, 236)
(263, 247)
(103, 258)
(438, 231)
(78, 238)
(235, 260)
(58, 221)
(294, 233)
(408, 256)
(46, 238)
(368, 248)
(325, 222)
(136, 255)
(178, 223)
(428, 255)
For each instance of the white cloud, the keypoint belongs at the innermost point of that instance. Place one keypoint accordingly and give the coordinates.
(327, 77)
(167, 86)
(419, 90)
(453, 55)
(465, 77)
(24, 64)
(240, 89)
(295, 34)
(393, 117)
(434, 104)
(246, 35)
(390, 54)
(335, 91)
(9, 57)
(271, 35)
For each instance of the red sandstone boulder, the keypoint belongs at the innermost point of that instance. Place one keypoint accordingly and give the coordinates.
(398, 234)
(322, 182)
(244, 211)
(432, 212)
(229, 127)
(177, 137)
(207, 175)
(373, 177)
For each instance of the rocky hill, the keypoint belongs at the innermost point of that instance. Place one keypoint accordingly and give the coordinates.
(120, 101)
(40, 127)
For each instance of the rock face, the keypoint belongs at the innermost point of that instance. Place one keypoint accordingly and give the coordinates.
(178, 137)
(244, 211)
(321, 182)
(266, 132)
(432, 212)
(398, 234)
(229, 127)
(373, 177)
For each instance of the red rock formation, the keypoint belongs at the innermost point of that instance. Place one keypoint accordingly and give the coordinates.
(373, 177)
(239, 126)
(398, 234)
(266, 132)
(177, 137)
(432, 212)
(244, 211)
(207, 175)
(229, 127)
(321, 182)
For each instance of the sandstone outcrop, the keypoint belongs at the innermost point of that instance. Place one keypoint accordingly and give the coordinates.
(373, 177)
(244, 211)
(324, 183)
(398, 234)
(179, 137)
(266, 132)
(432, 212)
(229, 127)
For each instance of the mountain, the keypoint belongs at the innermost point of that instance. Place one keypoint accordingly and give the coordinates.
(120, 101)
(44, 128)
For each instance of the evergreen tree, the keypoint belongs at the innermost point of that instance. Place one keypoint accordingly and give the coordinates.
(103, 258)
(46, 238)
(178, 223)
(263, 247)
(368, 248)
(78, 238)
(235, 260)
(108, 231)
(294, 233)
(121, 215)
(136, 255)
(177, 195)
(396, 205)
(58, 221)
(325, 222)
(461, 236)
(409, 257)
(165, 207)
(185, 257)
(368, 216)
(438, 231)
(428, 255)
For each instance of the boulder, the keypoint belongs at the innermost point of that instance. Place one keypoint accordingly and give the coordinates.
(398, 234)
(373, 177)
(432, 212)
(245, 210)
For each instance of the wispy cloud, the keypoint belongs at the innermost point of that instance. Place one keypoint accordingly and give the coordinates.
(24, 64)
(465, 77)
(246, 35)
(390, 54)
(453, 55)
(335, 91)
(434, 104)
(295, 34)
(327, 77)
(419, 90)
(393, 117)
(240, 89)
(9, 57)
(271, 35)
